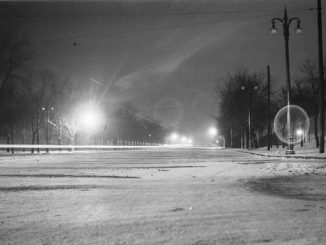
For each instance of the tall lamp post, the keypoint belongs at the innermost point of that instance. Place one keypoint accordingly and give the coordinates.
(47, 121)
(254, 88)
(286, 22)
(269, 108)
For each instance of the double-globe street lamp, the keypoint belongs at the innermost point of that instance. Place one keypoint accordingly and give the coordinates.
(47, 110)
(286, 22)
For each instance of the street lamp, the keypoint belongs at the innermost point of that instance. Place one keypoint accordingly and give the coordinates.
(286, 21)
(47, 110)
(90, 117)
(184, 139)
(255, 87)
(174, 137)
(212, 131)
(300, 134)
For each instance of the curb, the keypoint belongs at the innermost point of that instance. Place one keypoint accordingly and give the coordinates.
(284, 156)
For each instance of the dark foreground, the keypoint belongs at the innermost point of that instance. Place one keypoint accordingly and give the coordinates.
(164, 196)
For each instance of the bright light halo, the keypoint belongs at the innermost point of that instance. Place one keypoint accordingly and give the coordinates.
(89, 117)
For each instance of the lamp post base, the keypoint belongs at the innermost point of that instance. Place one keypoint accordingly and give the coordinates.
(290, 152)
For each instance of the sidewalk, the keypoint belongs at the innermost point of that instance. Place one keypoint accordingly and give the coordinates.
(308, 151)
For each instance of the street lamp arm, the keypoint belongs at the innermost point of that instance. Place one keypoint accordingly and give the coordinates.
(277, 19)
(273, 30)
(294, 18)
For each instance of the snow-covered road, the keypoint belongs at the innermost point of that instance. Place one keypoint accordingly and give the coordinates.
(161, 196)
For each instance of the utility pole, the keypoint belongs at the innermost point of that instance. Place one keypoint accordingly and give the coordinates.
(231, 135)
(37, 124)
(269, 107)
(321, 81)
(47, 110)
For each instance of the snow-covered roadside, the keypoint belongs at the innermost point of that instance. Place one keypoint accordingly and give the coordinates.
(186, 196)
(307, 151)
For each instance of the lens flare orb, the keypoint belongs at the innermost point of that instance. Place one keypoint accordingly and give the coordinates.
(168, 111)
(299, 123)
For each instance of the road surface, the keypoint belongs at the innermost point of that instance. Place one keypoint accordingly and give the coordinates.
(161, 196)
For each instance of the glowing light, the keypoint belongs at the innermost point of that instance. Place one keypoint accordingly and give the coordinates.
(184, 139)
(299, 132)
(174, 136)
(212, 131)
(177, 139)
(90, 117)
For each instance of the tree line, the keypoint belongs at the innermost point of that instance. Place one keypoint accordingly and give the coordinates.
(37, 106)
(243, 118)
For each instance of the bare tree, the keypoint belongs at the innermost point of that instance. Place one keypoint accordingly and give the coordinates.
(242, 103)
(305, 93)
(14, 55)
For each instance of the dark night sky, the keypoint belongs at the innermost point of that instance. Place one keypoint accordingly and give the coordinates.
(165, 56)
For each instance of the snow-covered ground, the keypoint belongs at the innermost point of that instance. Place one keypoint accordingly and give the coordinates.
(161, 196)
(308, 150)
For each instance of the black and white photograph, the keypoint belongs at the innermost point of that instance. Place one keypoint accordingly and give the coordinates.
(183, 122)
